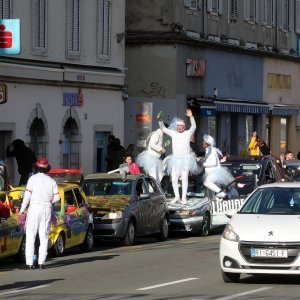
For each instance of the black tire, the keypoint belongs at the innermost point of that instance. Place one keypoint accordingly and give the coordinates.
(129, 238)
(20, 257)
(205, 229)
(88, 243)
(164, 230)
(58, 248)
(230, 277)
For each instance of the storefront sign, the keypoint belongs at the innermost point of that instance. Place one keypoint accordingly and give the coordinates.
(143, 123)
(73, 99)
(10, 36)
(3, 93)
(195, 67)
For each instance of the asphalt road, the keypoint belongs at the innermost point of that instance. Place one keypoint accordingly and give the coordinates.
(184, 267)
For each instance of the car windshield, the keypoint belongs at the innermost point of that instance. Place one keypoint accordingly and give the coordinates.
(238, 169)
(273, 200)
(95, 187)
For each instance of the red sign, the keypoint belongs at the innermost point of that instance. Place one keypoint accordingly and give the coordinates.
(5, 37)
(195, 67)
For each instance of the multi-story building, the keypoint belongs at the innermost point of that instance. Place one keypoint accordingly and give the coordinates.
(235, 63)
(64, 90)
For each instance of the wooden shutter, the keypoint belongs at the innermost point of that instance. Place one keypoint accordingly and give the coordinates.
(39, 12)
(73, 28)
(104, 27)
(233, 10)
(5, 9)
(297, 15)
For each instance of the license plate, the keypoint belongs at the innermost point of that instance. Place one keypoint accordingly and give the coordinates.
(269, 252)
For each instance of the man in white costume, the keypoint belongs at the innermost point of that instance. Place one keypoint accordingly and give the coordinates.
(150, 158)
(41, 192)
(214, 172)
(183, 160)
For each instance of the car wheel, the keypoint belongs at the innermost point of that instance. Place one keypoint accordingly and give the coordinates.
(205, 229)
(20, 257)
(230, 277)
(129, 238)
(164, 230)
(88, 241)
(59, 246)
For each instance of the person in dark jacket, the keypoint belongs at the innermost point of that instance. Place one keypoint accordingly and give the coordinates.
(25, 158)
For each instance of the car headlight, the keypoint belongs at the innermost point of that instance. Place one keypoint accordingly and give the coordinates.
(229, 234)
(113, 215)
(185, 213)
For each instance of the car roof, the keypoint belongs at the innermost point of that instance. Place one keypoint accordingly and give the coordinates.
(248, 159)
(293, 162)
(294, 184)
(112, 176)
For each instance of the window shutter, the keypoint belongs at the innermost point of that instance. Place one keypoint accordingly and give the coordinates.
(220, 7)
(104, 20)
(264, 12)
(39, 8)
(5, 9)
(246, 10)
(297, 14)
(73, 28)
(209, 5)
(187, 3)
(274, 7)
(233, 11)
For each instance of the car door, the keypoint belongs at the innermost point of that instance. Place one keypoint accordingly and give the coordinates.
(157, 204)
(142, 208)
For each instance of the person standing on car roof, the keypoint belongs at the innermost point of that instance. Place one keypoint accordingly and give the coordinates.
(41, 193)
(25, 157)
(150, 159)
(183, 160)
(214, 175)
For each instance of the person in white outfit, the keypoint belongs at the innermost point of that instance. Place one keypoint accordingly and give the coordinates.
(41, 192)
(215, 174)
(183, 160)
(150, 158)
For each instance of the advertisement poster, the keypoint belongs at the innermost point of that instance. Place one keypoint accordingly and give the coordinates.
(143, 123)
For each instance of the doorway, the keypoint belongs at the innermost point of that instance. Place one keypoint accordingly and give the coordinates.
(100, 151)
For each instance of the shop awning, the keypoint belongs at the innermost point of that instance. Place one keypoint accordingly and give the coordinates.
(284, 110)
(244, 107)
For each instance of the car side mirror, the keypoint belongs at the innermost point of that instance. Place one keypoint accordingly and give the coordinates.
(144, 196)
(71, 208)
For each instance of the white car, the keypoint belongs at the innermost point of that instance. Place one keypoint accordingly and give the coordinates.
(263, 236)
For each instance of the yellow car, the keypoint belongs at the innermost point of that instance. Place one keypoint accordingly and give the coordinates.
(71, 220)
(12, 235)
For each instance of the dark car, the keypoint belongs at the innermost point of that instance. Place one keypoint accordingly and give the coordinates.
(126, 207)
(293, 168)
(253, 171)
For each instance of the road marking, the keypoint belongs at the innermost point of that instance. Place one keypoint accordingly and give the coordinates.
(165, 284)
(241, 294)
(24, 290)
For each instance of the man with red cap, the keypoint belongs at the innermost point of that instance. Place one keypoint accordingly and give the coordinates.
(41, 192)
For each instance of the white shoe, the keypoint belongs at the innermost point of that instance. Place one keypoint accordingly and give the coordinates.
(174, 200)
(221, 195)
(184, 201)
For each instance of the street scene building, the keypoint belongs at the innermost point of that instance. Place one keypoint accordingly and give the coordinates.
(235, 63)
(64, 89)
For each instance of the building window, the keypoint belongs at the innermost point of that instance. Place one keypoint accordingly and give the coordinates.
(5, 9)
(268, 128)
(37, 134)
(39, 12)
(283, 14)
(73, 29)
(212, 127)
(250, 10)
(104, 27)
(193, 4)
(268, 11)
(214, 7)
(249, 128)
(283, 134)
(233, 9)
(297, 14)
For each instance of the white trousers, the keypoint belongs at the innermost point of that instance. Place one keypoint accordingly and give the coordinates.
(38, 221)
(185, 180)
(154, 172)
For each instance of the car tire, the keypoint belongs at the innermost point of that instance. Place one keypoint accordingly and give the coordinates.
(205, 228)
(164, 230)
(129, 238)
(20, 257)
(58, 248)
(231, 277)
(88, 243)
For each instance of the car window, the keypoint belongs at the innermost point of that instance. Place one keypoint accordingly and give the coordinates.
(79, 197)
(140, 187)
(273, 201)
(243, 169)
(152, 186)
(70, 199)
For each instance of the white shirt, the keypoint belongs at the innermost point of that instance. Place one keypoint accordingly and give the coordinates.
(40, 188)
(155, 143)
(211, 157)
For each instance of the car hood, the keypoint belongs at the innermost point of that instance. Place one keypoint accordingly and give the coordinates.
(105, 204)
(266, 228)
(193, 203)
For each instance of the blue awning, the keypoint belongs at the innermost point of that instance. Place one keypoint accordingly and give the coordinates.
(245, 108)
(284, 110)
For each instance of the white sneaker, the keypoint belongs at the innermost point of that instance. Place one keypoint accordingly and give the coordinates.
(174, 200)
(184, 201)
(221, 195)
